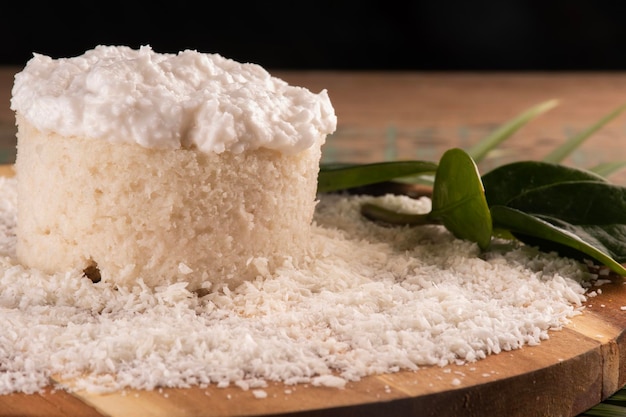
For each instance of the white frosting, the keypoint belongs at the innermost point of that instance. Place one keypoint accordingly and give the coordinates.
(170, 101)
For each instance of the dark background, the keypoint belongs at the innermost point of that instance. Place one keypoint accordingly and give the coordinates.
(410, 35)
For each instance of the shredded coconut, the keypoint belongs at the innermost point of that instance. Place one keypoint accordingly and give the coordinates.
(372, 300)
(259, 393)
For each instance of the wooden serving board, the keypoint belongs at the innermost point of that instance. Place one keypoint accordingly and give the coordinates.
(575, 369)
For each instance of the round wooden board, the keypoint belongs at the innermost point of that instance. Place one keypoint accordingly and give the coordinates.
(575, 369)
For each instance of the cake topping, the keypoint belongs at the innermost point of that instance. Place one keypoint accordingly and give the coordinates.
(169, 101)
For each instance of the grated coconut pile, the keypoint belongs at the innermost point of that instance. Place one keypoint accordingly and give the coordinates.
(372, 300)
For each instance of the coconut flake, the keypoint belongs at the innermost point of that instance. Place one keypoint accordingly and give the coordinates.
(371, 300)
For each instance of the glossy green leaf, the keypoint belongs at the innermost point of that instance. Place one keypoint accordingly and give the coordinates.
(345, 176)
(577, 202)
(561, 152)
(550, 233)
(508, 181)
(458, 199)
(479, 151)
(595, 209)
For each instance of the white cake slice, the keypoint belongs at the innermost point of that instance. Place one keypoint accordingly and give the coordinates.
(135, 165)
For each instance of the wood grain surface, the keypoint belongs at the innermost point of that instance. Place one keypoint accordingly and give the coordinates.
(408, 115)
(385, 116)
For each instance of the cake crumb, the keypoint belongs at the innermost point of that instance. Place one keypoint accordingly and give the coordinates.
(329, 381)
(259, 393)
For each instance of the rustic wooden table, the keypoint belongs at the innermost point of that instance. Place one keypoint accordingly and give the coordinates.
(404, 115)
(401, 115)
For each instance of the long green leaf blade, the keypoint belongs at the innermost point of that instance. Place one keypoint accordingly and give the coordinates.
(605, 410)
(480, 150)
(345, 176)
(607, 168)
(563, 151)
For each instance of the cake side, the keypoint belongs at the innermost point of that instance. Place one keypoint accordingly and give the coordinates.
(160, 215)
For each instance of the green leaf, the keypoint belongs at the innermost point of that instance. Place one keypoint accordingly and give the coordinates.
(458, 199)
(508, 181)
(427, 179)
(614, 406)
(545, 232)
(577, 202)
(480, 150)
(592, 209)
(327, 166)
(345, 176)
(605, 410)
(560, 153)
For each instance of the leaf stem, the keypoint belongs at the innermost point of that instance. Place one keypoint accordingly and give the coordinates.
(375, 212)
